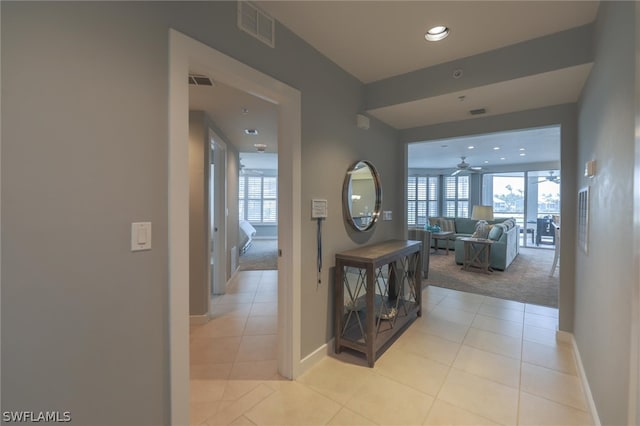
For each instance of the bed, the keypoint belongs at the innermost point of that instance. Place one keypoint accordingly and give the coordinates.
(247, 232)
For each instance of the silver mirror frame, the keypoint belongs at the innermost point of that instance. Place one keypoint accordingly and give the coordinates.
(346, 202)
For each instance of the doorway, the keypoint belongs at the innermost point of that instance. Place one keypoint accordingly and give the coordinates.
(258, 211)
(185, 52)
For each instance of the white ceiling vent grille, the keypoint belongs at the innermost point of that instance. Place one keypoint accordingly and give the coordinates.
(255, 22)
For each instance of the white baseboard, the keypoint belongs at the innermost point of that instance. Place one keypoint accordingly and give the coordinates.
(198, 319)
(564, 336)
(233, 275)
(315, 357)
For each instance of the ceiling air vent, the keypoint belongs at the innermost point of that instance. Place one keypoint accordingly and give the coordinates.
(200, 80)
(257, 23)
(478, 111)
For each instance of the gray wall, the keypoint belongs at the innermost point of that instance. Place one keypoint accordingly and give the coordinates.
(199, 125)
(233, 173)
(198, 213)
(84, 154)
(266, 231)
(604, 276)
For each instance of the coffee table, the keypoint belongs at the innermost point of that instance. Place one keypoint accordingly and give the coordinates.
(437, 236)
(477, 254)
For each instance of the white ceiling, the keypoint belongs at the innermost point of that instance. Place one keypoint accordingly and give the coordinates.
(225, 105)
(521, 94)
(374, 40)
(539, 146)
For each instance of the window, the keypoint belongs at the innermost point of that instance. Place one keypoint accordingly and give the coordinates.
(422, 199)
(258, 199)
(525, 196)
(456, 196)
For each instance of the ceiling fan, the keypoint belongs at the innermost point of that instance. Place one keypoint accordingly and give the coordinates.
(463, 166)
(551, 178)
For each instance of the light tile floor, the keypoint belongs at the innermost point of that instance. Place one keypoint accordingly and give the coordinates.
(469, 360)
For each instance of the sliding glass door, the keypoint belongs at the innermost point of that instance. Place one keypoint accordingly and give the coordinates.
(531, 197)
(506, 193)
(543, 189)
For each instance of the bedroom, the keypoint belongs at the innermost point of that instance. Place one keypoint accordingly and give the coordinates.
(257, 206)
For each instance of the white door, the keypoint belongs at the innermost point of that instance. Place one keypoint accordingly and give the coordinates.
(217, 215)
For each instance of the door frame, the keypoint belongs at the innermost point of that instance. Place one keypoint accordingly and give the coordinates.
(219, 239)
(186, 53)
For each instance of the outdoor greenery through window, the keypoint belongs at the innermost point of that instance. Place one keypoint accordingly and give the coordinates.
(525, 196)
(257, 199)
(422, 199)
(456, 196)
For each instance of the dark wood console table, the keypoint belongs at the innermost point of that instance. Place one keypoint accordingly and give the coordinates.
(378, 293)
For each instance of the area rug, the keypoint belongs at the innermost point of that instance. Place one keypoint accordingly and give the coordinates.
(526, 280)
(261, 255)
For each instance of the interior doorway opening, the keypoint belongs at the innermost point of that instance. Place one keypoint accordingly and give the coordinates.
(258, 211)
(184, 53)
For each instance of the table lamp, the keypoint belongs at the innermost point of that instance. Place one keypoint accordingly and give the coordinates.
(482, 214)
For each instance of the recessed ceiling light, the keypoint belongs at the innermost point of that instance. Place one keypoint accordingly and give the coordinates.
(260, 147)
(521, 149)
(496, 148)
(522, 154)
(470, 147)
(437, 33)
(502, 158)
(252, 132)
(245, 110)
(486, 161)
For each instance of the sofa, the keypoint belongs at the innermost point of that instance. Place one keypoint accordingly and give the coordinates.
(504, 232)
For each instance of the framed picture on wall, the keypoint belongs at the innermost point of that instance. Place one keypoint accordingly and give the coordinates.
(583, 219)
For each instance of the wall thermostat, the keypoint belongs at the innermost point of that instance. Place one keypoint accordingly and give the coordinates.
(319, 209)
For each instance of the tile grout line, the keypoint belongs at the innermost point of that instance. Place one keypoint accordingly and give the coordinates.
(488, 351)
(235, 359)
(521, 362)
(449, 368)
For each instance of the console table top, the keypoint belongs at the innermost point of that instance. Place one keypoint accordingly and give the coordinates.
(376, 253)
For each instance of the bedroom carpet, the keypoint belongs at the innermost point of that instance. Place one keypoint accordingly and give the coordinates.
(261, 255)
(526, 280)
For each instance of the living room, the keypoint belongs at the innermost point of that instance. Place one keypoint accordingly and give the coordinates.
(494, 177)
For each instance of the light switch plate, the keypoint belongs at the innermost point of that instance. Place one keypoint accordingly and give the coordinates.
(140, 236)
(387, 215)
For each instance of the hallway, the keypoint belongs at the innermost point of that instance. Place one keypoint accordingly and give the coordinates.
(469, 359)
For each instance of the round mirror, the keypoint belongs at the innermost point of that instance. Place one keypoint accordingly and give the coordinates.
(361, 196)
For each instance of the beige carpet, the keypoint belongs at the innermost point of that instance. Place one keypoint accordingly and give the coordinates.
(261, 255)
(525, 280)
